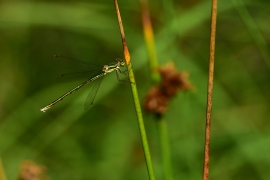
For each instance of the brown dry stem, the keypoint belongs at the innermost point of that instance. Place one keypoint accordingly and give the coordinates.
(210, 91)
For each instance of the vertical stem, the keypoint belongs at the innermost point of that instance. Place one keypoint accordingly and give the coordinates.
(154, 65)
(165, 148)
(135, 97)
(150, 42)
(209, 91)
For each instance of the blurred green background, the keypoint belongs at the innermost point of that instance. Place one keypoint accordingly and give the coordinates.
(104, 142)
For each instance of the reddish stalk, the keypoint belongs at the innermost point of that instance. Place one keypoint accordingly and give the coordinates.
(209, 91)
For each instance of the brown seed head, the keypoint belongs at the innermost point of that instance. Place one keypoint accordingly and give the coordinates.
(158, 97)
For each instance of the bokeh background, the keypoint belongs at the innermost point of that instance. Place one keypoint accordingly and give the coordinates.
(104, 141)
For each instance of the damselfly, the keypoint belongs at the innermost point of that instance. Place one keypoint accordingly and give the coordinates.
(98, 76)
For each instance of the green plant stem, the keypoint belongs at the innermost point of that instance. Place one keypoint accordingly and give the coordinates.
(150, 41)
(141, 124)
(154, 65)
(135, 96)
(165, 147)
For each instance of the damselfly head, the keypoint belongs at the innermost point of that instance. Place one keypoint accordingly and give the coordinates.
(105, 68)
(122, 62)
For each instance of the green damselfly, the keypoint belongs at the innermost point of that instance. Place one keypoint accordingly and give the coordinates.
(116, 66)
